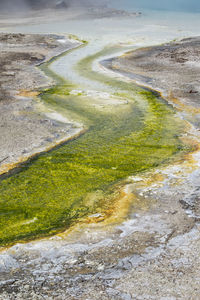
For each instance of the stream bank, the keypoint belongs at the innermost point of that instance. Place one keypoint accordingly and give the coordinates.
(28, 127)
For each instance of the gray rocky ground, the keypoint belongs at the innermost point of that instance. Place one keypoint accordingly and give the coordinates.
(153, 253)
(173, 69)
(25, 128)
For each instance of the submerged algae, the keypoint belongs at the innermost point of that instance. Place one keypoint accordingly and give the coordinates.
(52, 191)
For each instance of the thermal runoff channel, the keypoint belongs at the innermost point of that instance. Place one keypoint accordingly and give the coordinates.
(84, 176)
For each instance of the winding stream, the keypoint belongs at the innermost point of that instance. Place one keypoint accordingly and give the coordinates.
(128, 130)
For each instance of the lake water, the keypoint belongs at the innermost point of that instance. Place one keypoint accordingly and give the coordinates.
(170, 5)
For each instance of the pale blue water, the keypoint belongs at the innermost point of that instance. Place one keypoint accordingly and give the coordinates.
(170, 5)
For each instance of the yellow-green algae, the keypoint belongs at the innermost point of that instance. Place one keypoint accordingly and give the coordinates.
(53, 190)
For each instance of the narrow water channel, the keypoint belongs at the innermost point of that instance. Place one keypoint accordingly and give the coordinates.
(128, 130)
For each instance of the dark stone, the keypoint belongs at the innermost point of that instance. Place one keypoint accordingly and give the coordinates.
(61, 5)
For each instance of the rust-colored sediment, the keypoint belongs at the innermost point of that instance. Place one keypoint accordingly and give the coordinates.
(180, 106)
(28, 94)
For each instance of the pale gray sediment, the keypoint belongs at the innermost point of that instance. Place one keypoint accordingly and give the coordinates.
(25, 129)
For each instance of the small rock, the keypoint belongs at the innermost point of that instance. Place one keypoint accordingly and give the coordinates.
(96, 216)
(100, 267)
(61, 5)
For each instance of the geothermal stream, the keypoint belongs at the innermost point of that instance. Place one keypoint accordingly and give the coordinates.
(91, 194)
(128, 130)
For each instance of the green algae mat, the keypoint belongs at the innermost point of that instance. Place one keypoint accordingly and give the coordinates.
(58, 188)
